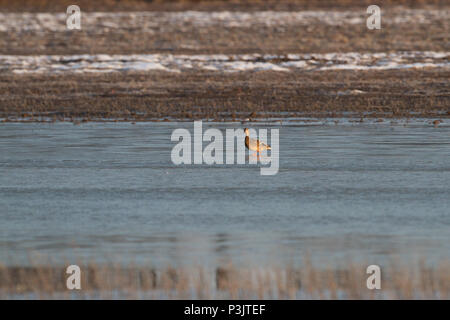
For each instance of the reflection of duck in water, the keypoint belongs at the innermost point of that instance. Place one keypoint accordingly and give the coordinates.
(254, 144)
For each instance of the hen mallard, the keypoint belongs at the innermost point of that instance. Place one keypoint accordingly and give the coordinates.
(254, 144)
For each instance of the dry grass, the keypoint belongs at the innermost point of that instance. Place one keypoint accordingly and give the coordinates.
(101, 281)
(174, 38)
(214, 40)
(215, 96)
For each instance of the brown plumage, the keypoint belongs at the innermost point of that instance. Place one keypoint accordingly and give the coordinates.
(254, 144)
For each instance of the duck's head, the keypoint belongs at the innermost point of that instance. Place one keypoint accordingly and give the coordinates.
(246, 131)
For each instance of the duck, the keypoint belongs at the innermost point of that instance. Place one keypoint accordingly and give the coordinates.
(254, 144)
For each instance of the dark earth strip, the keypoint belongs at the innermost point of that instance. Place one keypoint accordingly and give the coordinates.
(203, 5)
(215, 96)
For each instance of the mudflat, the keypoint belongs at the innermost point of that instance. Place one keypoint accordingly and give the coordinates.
(141, 96)
(220, 60)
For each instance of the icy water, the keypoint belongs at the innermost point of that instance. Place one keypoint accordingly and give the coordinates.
(109, 191)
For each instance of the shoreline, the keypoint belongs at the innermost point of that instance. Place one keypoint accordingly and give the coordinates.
(260, 95)
(434, 121)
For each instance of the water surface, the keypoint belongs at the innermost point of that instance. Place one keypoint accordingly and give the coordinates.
(110, 191)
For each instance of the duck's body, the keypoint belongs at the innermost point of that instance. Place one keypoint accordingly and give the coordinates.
(254, 144)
